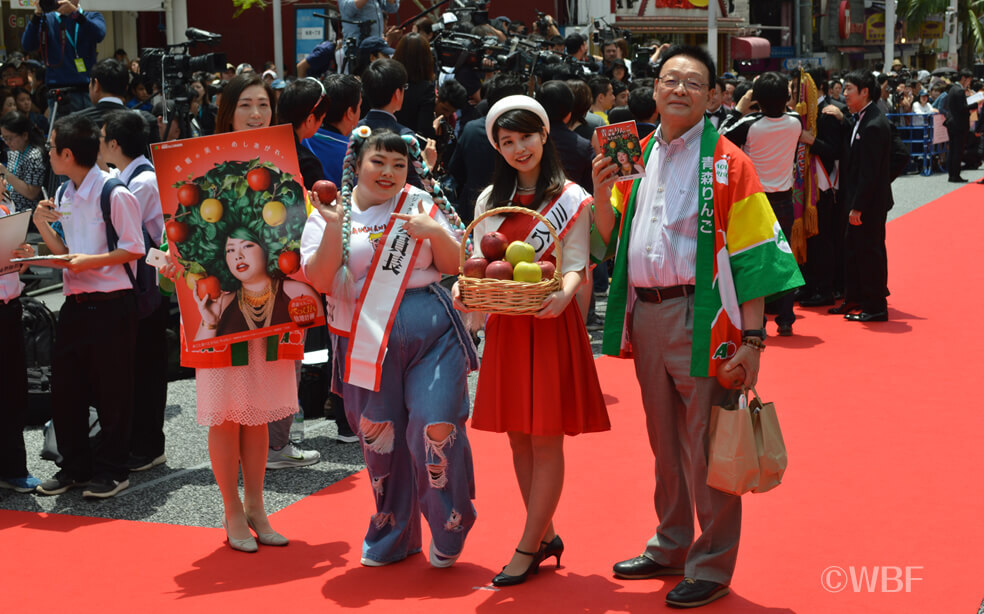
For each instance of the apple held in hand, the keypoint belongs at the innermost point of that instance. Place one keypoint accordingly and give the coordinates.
(527, 271)
(494, 246)
(475, 267)
(500, 269)
(731, 378)
(326, 191)
(547, 269)
(519, 251)
(208, 286)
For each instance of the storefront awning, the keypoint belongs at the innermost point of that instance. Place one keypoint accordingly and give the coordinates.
(749, 48)
(123, 5)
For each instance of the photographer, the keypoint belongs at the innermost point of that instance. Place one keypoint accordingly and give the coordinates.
(354, 11)
(66, 36)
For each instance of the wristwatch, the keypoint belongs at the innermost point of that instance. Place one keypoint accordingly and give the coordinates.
(754, 332)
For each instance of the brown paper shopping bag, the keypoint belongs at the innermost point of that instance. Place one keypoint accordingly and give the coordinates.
(768, 443)
(732, 458)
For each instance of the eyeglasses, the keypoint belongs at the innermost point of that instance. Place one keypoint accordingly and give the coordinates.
(671, 84)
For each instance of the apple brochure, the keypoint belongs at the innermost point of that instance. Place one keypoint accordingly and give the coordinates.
(620, 142)
(234, 211)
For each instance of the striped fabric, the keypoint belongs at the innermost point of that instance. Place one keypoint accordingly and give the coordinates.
(664, 227)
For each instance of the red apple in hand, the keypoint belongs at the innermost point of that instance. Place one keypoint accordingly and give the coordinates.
(547, 268)
(475, 267)
(500, 269)
(494, 246)
(326, 191)
(731, 378)
(208, 286)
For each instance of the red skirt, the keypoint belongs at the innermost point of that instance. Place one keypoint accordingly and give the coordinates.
(538, 377)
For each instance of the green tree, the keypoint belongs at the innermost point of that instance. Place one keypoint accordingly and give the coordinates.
(915, 12)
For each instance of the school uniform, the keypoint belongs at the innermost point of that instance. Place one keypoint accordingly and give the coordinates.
(13, 377)
(150, 368)
(93, 356)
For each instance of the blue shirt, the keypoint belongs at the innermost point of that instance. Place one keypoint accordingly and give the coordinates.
(374, 9)
(330, 147)
(59, 52)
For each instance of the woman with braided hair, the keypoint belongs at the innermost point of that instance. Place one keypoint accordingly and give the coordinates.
(403, 354)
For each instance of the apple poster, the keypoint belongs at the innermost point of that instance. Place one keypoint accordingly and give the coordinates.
(234, 212)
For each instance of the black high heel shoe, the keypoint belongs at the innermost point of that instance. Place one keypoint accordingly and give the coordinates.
(552, 548)
(504, 579)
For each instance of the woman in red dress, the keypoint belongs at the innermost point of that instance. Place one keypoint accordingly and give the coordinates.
(537, 382)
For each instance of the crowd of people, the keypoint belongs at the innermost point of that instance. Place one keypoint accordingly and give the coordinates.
(754, 198)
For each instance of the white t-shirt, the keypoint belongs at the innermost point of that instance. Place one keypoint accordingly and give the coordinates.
(770, 143)
(367, 230)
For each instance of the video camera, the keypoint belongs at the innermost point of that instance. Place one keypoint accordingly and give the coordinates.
(173, 67)
(605, 33)
(519, 56)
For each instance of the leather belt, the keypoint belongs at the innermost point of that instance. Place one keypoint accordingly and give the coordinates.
(97, 297)
(658, 295)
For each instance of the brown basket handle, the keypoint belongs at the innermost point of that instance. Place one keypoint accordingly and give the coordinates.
(499, 211)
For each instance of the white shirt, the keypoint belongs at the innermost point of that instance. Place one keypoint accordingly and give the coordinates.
(857, 124)
(10, 284)
(85, 232)
(144, 187)
(367, 229)
(663, 247)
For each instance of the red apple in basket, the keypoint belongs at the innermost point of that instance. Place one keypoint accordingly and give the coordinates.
(208, 286)
(547, 268)
(475, 267)
(731, 378)
(500, 269)
(494, 246)
(326, 191)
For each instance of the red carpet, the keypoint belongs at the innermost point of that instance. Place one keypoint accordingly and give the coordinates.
(885, 474)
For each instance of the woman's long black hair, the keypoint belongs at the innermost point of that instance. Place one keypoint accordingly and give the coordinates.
(551, 180)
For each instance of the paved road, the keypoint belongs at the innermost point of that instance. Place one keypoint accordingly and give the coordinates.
(183, 490)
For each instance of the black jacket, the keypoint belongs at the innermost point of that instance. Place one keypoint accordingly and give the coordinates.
(575, 154)
(958, 115)
(866, 182)
(418, 108)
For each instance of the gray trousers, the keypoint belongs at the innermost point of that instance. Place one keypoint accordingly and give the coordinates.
(678, 412)
(280, 430)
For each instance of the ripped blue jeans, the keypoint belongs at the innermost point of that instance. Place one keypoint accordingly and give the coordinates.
(423, 391)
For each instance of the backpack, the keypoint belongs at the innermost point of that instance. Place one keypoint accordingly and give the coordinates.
(38, 323)
(145, 281)
(899, 157)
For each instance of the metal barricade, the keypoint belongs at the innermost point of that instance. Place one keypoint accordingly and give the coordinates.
(927, 149)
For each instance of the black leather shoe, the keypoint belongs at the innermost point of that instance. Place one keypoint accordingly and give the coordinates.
(864, 316)
(554, 547)
(504, 579)
(785, 330)
(817, 300)
(844, 308)
(642, 567)
(957, 180)
(691, 593)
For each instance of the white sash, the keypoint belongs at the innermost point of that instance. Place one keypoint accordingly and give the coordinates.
(561, 211)
(376, 308)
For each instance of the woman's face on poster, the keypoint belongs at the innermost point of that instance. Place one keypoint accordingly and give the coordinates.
(246, 260)
(623, 158)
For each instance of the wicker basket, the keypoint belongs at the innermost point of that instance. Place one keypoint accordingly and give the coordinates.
(505, 295)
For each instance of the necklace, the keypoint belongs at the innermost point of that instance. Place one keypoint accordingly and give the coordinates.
(520, 188)
(257, 307)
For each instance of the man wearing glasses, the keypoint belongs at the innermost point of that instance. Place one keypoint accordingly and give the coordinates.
(696, 250)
